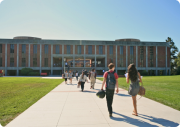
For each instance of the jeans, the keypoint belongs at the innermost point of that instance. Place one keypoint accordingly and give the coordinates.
(109, 99)
(82, 85)
(77, 78)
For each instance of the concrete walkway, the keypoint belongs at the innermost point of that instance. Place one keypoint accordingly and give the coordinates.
(67, 106)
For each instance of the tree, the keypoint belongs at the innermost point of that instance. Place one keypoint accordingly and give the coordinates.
(177, 60)
(173, 51)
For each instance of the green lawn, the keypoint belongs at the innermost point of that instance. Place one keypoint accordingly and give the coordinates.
(164, 89)
(18, 94)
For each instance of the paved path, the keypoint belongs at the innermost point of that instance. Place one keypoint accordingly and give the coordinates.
(67, 106)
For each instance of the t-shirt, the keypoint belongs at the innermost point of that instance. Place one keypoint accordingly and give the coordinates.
(106, 74)
(76, 74)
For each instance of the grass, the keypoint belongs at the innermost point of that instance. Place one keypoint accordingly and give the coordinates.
(163, 89)
(18, 94)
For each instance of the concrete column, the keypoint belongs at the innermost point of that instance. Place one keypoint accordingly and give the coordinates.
(166, 61)
(40, 58)
(73, 55)
(84, 55)
(136, 56)
(106, 57)
(17, 73)
(29, 56)
(95, 56)
(6, 59)
(63, 64)
(156, 61)
(126, 58)
(51, 59)
(146, 58)
(116, 58)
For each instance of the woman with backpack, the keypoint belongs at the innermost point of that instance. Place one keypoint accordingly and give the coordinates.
(92, 78)
(134, 87)
(83, 79)
(70, 76)
(77, 75)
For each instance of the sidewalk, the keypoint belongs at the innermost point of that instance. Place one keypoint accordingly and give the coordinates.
(67, 106)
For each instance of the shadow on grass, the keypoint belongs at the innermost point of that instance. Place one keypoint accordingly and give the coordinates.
(141, 123)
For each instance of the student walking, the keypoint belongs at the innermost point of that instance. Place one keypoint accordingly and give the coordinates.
(92, 78)
(83, 79)
(66, 76)
(77, 75)
(134, 87)
(111, 80)
(70, 76)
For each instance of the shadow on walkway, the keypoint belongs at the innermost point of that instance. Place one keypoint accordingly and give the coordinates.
(141, 123)
(124, 95)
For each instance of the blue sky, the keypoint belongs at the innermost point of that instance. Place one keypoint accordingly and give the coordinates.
(147, 20)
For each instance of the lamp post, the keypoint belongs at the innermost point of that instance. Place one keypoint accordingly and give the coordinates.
(64, 64)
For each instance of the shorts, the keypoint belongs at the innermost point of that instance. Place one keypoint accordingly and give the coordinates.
(65, 79)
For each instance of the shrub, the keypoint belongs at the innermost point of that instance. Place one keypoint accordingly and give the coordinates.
(144, 73)
(34, 74)
(26, 71)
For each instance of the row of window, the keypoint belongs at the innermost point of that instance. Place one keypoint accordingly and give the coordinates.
(79, 49)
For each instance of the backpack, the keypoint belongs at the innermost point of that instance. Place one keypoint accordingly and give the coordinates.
(110, 81)
(92, 76)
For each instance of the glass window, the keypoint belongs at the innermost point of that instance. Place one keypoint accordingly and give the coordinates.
(34, 49)
(111, 49)
(11, 48)
(46, 49)
(68, 49)
(121, 50)
(11, 62)
(89, 49)
(23, 62)
(0, 48)
(23, 48)
(131, 50)
(100, 49)
(151, 56)
(34, 62)
(57, 49)
(1, 62)
(46, 62)
(79, 49)
(141, 56)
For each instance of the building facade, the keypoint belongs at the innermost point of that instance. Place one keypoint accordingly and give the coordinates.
(51, 55)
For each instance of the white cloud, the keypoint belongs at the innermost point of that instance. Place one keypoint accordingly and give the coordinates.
(1, 1)
(178, 1)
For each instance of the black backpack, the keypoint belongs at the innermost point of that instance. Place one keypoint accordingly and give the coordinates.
(101, 94)
(111, 81)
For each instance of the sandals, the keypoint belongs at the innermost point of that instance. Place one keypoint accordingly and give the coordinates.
(134, 113)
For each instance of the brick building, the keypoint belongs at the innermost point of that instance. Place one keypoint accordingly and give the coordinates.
(51, 55)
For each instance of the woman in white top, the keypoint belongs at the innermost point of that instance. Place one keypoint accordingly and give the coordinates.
(77, 75)
(83, 79)
(70, 76)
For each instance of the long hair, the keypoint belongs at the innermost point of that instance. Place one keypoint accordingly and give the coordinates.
(83, 74)
(132, 72)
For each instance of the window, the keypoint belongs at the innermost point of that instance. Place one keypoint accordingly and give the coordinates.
(34, 49)
(100, 49)
(23, 62)
(11, 62)
(141, 56)
(131, 50)
(0, 48)
(79, 49)
(46, 49)
(34, 62)
(11, 48)
(111, 50)
(0, 61)
(57, 49)
(23, 48)
(151, 56)
(89, 49)
(68, 49)
(121, 50)
(46, 62)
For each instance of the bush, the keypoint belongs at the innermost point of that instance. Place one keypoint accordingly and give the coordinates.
(144, 73)
(34, 74)
(26, 71)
